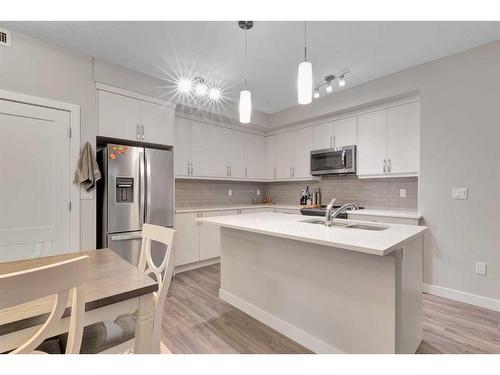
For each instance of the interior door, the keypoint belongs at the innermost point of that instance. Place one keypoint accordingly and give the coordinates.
(372, 142)
(158, 122)
(119, 116)
(35, 181)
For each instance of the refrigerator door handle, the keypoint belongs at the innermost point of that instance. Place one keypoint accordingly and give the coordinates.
(148, 189)
(142, 189)
(124, 237)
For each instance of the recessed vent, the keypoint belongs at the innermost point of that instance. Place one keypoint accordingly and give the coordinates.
(4, 38)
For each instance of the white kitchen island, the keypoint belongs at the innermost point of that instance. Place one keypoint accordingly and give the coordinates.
(333, 290)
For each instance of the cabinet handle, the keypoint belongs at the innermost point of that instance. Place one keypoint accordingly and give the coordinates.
(388, 165)
(227, 171)
(138, 131)
(188, 168)
(246, 172)
(230, 171)
(385, 166)
(274, 171)
(192, 169)
(333, 141)
(142, 135)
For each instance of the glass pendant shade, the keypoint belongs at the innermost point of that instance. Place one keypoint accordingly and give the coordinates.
(305, 83)
(245, 106)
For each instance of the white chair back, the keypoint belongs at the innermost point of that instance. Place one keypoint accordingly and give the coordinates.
(163, 272)
(54, 279)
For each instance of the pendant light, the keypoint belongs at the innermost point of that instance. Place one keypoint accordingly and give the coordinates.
(305, 79)
(245, 105)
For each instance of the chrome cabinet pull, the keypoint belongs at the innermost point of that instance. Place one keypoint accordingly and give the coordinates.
(230, 170)
(138, 131)
(142, 136)
(192, 169)
(333, 142)
(246, 172)
(385, 166)
(388, 165)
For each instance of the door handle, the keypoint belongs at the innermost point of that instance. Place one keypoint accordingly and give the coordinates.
(124, 237)
(147, 211)
(343, 159)
(142, 189)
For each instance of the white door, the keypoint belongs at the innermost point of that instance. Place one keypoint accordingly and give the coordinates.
(182, 147)
(255, 156)
(345, 132)
(158, 122)
(119, 116)
(302, 146)
(35, 181)
(284, 158)
(271, 151)
(200, 140)
(210, 235)
(322, 136)
(403, 127)
(187, 239)
(372, 142)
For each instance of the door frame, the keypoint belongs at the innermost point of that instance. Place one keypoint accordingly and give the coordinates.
(74, 123)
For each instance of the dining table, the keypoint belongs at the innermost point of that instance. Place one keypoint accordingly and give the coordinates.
(114, 287)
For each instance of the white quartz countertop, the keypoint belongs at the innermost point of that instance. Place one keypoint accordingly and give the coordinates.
(388, 213)
(235, 207)
(293, 227)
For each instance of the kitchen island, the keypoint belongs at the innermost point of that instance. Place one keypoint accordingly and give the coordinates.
(351, 288)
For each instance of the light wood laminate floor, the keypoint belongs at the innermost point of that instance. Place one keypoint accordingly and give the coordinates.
(196, 320)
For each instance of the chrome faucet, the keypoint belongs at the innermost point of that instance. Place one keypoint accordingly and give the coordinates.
(329, 217)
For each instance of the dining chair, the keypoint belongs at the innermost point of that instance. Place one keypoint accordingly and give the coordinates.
(58, 279)
(111, 337)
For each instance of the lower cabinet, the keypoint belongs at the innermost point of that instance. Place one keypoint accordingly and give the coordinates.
(195, 241)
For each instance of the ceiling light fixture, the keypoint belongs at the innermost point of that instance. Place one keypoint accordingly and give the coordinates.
(316, 92)
(328, 82)
(184, 85)
(214, 93)
(342, 81)
(245, 105)
(305, 79)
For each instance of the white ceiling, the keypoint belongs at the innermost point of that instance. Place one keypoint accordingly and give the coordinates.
(215, 49)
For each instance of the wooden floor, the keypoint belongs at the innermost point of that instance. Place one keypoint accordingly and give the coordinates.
(197, 321)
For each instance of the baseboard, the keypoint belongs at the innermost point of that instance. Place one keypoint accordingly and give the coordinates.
(192, 266)
(292, 332)
(456, 295)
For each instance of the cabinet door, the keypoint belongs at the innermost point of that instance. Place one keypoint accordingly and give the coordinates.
(403, 146)
(158, 122)
(221, 137)
(235, 154)
(255, 156)
(119, 116)
(302, 146)
(271, 152)
(210, 235)
(284, 155)
(200, 146)
(345, 132)
(322, 136)
(372, 142)
(182, 146)
(187, 239)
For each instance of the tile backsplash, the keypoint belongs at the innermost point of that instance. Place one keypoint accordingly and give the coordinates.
(370, 193)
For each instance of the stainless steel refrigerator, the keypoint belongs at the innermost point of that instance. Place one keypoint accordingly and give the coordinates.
(137, 188)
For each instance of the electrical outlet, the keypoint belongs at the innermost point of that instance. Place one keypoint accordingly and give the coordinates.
(230, 192)
(481, 268)
(402, 193)
(459, 193)
(258, 192)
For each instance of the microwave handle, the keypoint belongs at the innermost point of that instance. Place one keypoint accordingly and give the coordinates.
(343, 159)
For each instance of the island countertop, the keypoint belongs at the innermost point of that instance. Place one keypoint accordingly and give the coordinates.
(297, 228)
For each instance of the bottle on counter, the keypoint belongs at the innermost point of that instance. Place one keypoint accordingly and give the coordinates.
(308, 196)
(318, 196)
(303, 198)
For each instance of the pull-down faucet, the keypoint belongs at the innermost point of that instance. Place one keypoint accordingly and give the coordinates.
(330, 216)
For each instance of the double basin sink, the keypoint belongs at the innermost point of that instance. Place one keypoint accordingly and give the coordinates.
(347, 225)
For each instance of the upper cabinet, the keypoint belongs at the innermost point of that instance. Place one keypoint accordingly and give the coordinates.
(345, 132)
(271, 157)
(255, 156)
(293, 154)
(322, 136)
(192, 148)
(227, 153)
(133, 119)
(388, 141)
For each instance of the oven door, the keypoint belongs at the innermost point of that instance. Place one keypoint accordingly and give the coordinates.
(333, 161)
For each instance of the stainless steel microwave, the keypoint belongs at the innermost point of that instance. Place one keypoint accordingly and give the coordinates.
(333, 161)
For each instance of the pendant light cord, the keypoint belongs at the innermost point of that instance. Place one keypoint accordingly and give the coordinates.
(305, 40)
(246, 59)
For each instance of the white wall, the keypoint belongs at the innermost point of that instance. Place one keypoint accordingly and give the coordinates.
(460, 131)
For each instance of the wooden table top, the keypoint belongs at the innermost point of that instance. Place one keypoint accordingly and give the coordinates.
(111, 280)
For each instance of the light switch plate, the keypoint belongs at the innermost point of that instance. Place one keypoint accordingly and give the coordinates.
(459, 193)
(481, 268)
(402, 193)
(230, 192)
(258, 192)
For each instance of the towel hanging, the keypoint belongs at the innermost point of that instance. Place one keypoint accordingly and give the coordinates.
(87, 172)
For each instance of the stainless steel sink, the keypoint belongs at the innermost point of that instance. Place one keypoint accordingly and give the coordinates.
(340, 224)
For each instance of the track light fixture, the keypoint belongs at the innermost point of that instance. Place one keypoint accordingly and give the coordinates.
(328, 82)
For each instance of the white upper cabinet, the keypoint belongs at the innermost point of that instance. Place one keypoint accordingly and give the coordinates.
(227, 153)
(119, 116)
(345, 132)
(372, 143)
(284, 155)
(403, 138)
(158, 123)
(255, 156)
(322, 136)
(388, 141)
(302, 146)
(132, 119)
(271, 157)
(192, 148)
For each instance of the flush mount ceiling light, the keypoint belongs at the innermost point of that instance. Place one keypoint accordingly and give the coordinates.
(305, 78)
(328, 82)
(245, 105)
(199, 88)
